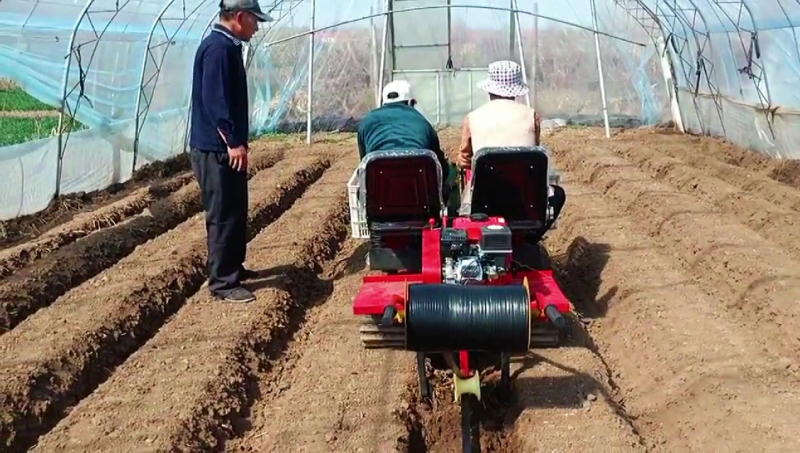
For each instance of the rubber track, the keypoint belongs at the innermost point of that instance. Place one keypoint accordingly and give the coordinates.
(760, 279)
(37, 286)
(194, 405)
(60, 355)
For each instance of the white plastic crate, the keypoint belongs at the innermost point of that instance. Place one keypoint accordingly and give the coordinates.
(358, 212)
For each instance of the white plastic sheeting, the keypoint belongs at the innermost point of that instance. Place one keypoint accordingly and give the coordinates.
(123, 68)
(735, 62)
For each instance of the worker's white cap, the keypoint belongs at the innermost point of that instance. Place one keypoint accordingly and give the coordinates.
(397, 91)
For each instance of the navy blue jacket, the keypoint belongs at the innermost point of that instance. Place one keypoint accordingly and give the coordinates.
(219, 93)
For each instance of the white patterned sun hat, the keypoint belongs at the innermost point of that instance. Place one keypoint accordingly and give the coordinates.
(505, 79)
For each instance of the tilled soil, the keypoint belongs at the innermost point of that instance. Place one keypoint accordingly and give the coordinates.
(331, 394)
(208, 348)
(695, 312)
(69, 264)
(95, 326)
(66, 207)
(679, 253)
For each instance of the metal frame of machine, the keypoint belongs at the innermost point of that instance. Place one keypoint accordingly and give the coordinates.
(453, 288)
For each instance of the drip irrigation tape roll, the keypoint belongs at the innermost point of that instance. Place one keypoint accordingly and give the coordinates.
(442, 317)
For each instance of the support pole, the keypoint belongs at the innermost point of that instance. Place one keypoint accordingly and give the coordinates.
(387, 6)
(245, 53)
(148, 55)
(669, 82)
(374, 56)
(520, 48)
(449, 30)
(471, 91)
(62, 141)
(438, 99)
(309, 101)
(512, 29)
(600, 68)
(535, 63)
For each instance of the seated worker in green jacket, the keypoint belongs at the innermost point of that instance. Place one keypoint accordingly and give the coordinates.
(398, 125)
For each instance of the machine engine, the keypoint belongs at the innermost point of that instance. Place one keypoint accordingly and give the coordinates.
(466, 263)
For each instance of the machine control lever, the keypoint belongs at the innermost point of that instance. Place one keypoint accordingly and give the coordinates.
(388, 316)
(556, 317)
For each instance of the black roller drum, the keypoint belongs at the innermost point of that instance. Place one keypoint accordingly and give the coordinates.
(442, 317)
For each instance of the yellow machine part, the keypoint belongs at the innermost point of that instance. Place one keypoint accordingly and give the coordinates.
(470, 385)
(401, 314)
(534, 311)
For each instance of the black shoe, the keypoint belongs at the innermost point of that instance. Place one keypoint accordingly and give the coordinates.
(239, 295)
(247, 274)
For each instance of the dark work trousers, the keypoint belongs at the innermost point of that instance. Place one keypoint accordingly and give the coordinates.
(225, 200)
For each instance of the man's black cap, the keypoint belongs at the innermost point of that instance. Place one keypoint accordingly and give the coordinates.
(250, 6)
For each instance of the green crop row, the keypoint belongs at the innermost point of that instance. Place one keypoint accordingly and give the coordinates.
(21, 130)
(17, 100)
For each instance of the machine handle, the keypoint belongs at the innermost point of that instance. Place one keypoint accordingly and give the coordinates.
(556, 317)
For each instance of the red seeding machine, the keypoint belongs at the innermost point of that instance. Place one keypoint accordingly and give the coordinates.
(465, 292)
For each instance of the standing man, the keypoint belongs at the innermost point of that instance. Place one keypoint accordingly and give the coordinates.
(219, 134)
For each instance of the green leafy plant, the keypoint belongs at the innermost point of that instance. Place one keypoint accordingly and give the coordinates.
(20, 130)
(16, 100)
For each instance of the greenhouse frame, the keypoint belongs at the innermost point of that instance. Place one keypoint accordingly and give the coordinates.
(118, 72)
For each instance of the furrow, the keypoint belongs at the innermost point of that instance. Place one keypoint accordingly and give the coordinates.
(753, 280)
(775, 223)
(61, 354)
(63, 208)
(38, 285)
(81, 225)
(352, 390)
(187, 388)
(749, 181)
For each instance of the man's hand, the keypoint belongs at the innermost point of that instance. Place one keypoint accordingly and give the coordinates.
(238, 158)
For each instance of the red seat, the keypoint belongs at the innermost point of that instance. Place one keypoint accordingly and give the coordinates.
(511, 183)
(402, 193)
(402, 187)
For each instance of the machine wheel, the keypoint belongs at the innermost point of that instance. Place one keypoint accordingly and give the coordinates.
(424, 384)
(470, 425)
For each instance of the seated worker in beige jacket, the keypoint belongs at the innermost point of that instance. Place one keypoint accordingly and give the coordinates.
(503, 122)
